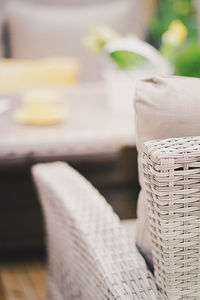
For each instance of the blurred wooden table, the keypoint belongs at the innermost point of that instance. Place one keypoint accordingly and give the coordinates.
(90, 140)
(91, 129)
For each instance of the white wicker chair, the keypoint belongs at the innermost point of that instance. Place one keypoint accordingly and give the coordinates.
(90, 254)
(172, 179)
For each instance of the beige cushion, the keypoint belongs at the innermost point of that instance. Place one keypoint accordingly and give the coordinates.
(1, 38)
(165, 107)
(50, 2)
(131, 227)
(38, 30)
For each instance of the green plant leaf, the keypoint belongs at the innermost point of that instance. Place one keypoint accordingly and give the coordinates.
(126, 59)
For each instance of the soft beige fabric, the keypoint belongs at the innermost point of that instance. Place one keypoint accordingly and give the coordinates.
(165, 107)
(37, 30)
(60, 2)
(1, 37)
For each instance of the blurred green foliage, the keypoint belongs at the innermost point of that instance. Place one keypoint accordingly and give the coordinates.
(169, 10)
(188, 61)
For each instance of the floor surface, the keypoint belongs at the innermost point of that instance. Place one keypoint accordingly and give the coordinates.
(23, 281)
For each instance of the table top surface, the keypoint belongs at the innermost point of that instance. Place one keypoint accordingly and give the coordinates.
(91, 128)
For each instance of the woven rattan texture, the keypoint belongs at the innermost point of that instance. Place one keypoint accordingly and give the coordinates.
(90, 254)
(172, 180)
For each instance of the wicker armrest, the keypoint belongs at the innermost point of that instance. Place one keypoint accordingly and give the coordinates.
(172, 180)
(90, 254)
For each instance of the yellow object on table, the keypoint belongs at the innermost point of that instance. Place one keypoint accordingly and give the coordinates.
(40, 108)
(17, 75)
